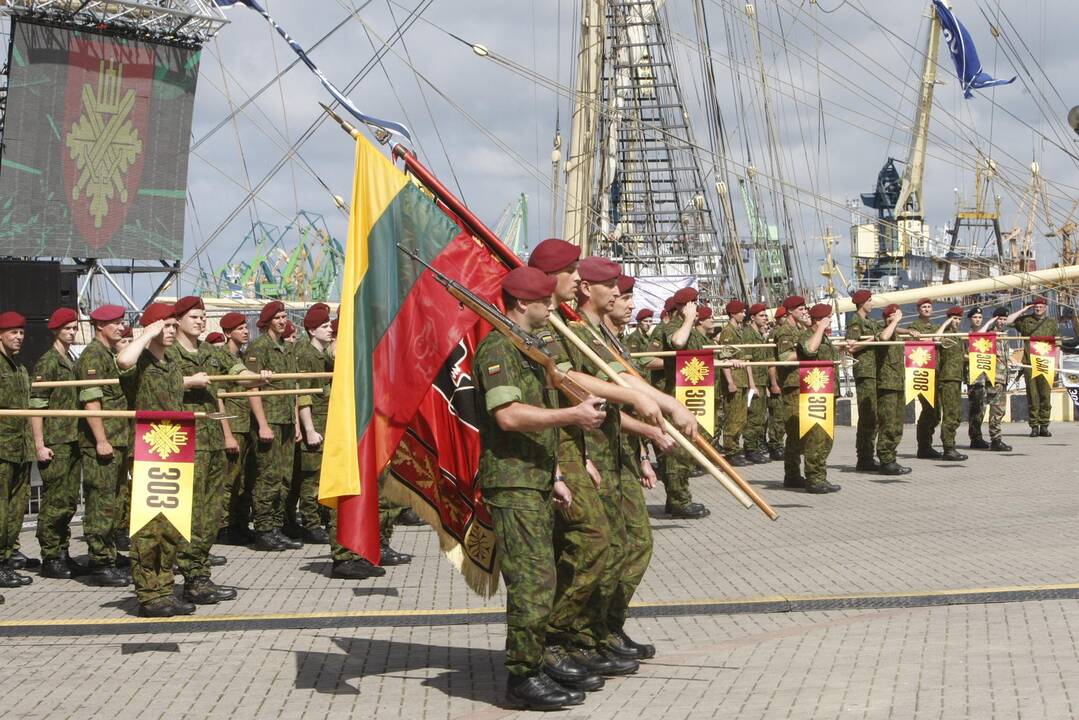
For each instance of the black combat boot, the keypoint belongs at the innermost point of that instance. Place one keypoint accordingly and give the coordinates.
(693, 511)
(408, 518)
(776, 454)
(953, 455)
(623, 645)
(999, 445)
(604, 663)
(285, 541)
(823, 488)
(217, 560)
(166, 607)
(56, 569)
(19, 561)
(1044, 431)
(566, 672)
(893, 468)
(204, 591)
(108, 576)
(737, 460)
(929, 453)
(316, 536)
(392, 557)
(758, 458)
(11, 579)
(869, 465)
(979, 444)
(1035, 431)
(798, 482)
(267, 542)
(535, 691)
(358, 569)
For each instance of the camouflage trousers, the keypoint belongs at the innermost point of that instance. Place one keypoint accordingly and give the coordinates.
(890, 412)
(734, 420)
(756, 421)
(239, 477)
(777, 423)
(302, 501)
(103, 518)
(675, 469)
(998, 401)
(792, 450)
(585, 551)
(273, 471)
(629, 508)
(524, 529)
(1039, 398)
(14, 496)
(928, 419)
(153, 554)
(866, 438)
(950, 401)
(976, 404)
(193, 557)
(816, 446)
(60, 499)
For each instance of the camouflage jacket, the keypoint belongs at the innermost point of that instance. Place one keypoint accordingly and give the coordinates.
(16, 438)
(98, 362)
(865, 360)
(603, 446)
(207, 359)
(265, 353)
(661, 341)
(53, 366)
(512, 459)
(787, 337)
(951, 360)
(239, 409)
(734, 335)
(923, 326)
(890, 370)
(158, 385)
(753, 336)
(308, 358)
(1031, 326)
(825, 351)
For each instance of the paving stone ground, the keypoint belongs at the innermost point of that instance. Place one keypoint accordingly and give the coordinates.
(998, 520)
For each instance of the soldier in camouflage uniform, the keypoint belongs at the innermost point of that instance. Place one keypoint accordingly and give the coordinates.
(736, 383)
(678, 333)
(757, 418)
(151, 382)
(997, 386)
(976, 391)
(817, 444)
(777, 422)
(891, 407)
(312, 357)
(104, 444)
(1039, 392)
(929, 417)
(194, 358)
(517, 475)
(16, 447)
(861, 325)
(637, 341)
(951, 367)
(276, 430)
(57, 443)
(239, 473)
(787, 337)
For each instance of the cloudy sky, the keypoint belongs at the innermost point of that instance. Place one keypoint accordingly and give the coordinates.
(841, 84)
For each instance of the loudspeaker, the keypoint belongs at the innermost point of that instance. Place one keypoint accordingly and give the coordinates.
(34, 289)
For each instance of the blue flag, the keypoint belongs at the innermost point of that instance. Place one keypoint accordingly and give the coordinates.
(388, 125)
(967, 65)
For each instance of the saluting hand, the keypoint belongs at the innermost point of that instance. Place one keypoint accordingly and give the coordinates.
(587, 413)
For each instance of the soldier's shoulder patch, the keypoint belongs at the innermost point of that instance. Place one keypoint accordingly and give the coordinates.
(494, 369)
(38, 378)
(252, 358)
(91, 371)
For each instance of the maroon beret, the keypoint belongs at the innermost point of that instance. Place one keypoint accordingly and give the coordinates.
(232, 320)
(794, 301)
(860, 296)
(820, 311)
(923, 301)
(1040, 301)
(528, 283)
(757, 308)
(889, 309)
(268, 311)
(289, 330)
(644, 314)
(781, 312)
(668, 304)
(334, 324)
(625, 284)
(215, 338)
(735, 306)
(156, 311)
(704, 312)
(61, 317)
(553, 255)
(187, 304)
(683, 296)
(955, 311)
(318, 314)
(129, 332)
(11, 320)
(107, 313)
(598, 269)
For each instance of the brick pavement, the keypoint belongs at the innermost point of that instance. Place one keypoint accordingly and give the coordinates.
(997, 520)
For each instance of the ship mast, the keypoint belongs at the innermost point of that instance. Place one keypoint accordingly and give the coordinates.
(909, 206)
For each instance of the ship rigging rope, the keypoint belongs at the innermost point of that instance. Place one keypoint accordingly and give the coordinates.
(398, 32)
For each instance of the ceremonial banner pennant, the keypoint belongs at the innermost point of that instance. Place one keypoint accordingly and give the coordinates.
(982, 357)
(1043, 358)
(694, 373)
(920, 360)
(816, 397)
(164, 471)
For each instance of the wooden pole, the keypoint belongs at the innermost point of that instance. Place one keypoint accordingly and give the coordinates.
(129, 414)
(264, 393)
(213, 378)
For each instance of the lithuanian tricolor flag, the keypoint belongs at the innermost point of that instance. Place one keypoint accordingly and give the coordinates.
(397, 327)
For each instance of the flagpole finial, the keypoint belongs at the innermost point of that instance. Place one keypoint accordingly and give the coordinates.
(345, 125)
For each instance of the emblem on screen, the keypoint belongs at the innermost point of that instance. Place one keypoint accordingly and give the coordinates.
(103, 142)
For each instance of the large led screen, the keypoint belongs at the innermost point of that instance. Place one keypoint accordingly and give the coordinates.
(96, 138)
